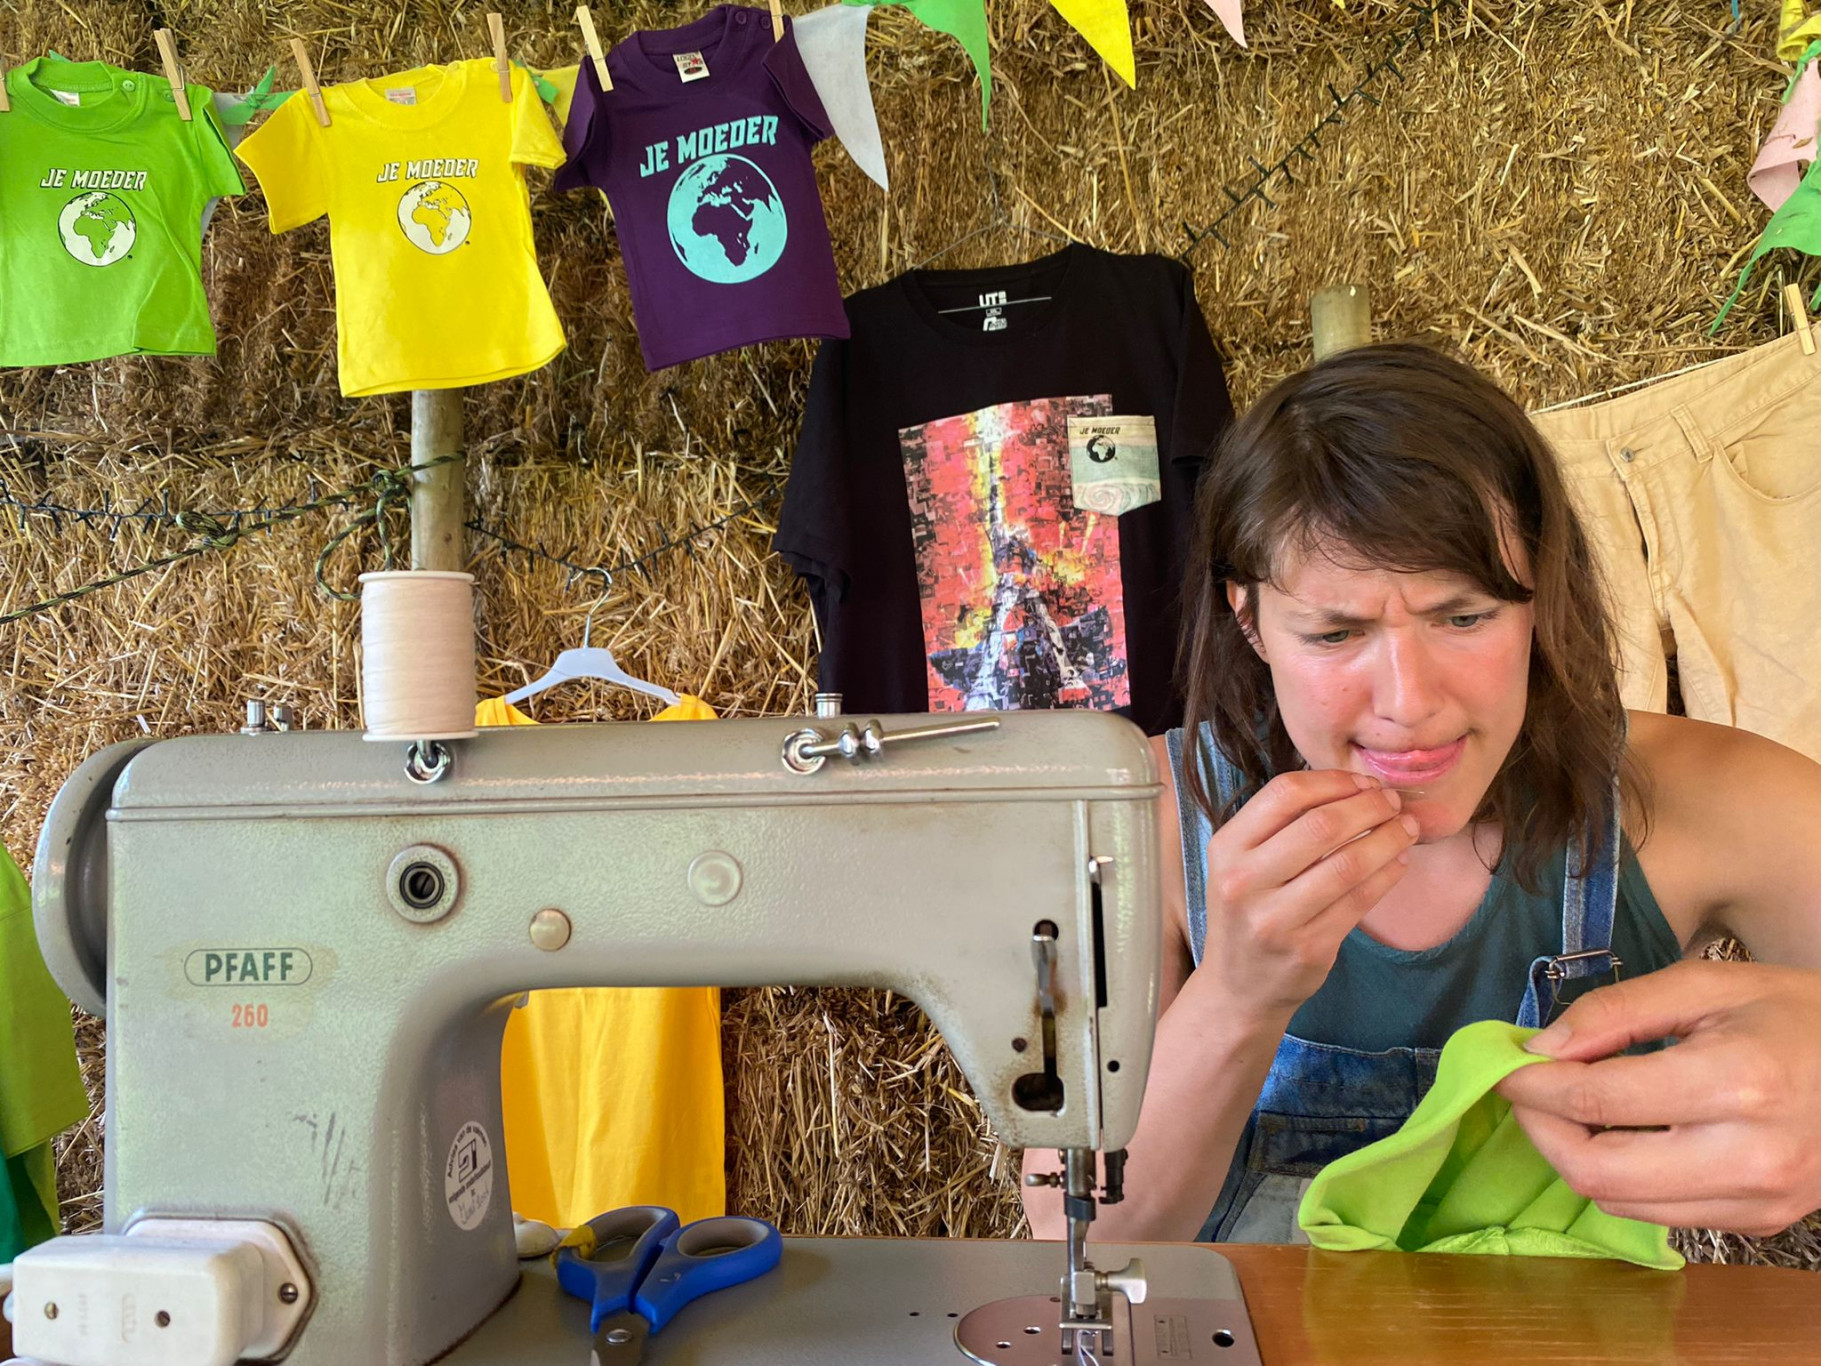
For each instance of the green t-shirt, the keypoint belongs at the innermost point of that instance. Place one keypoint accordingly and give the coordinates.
(41, 1091)
(102, 188)
(1462, 1176)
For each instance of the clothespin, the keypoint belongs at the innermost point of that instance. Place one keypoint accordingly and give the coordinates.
(6, 104)
(167, 53)
(777, 22)
(593, 41)
(497, 27)
(1798, 314)
(302, 56)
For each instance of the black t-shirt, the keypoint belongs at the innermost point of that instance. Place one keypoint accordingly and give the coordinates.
(991, 499)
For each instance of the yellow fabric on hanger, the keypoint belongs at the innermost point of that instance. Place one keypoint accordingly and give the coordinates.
(613, 1095)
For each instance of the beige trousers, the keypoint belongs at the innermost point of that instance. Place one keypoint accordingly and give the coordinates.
(1702, 496)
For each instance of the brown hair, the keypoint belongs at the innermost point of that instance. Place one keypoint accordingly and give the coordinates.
(1413, 462)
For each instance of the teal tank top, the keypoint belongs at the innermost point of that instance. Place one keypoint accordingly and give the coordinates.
(1377, 997)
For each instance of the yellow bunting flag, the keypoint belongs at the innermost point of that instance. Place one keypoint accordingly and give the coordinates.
(1794, 32)
(1108, 28)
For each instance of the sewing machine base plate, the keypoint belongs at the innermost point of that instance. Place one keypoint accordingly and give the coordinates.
(1024, 1332)
(864, 1302)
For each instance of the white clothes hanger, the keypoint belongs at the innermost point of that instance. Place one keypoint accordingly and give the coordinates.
(591, 663)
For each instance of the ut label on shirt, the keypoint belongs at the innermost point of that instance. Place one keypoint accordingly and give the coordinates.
(1113, 463)
(691, 66)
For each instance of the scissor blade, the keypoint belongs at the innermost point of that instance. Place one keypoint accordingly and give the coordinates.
(620, 1341)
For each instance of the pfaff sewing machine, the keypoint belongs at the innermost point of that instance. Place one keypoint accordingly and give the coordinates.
(307, 954)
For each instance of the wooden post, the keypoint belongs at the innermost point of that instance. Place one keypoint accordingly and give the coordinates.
(437, 495)
(1342, 315)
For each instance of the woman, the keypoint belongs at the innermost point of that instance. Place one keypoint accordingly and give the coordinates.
(1416, 792)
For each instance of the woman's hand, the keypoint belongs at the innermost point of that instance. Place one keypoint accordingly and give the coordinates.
(1295, 869)
(1723, 1130)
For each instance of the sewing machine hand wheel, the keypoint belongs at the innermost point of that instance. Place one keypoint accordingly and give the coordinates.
(69, 880)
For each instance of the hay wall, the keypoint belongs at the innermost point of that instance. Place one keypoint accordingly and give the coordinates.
(1555, 188)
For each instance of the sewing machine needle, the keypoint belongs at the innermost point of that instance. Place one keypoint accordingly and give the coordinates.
(620, 1341)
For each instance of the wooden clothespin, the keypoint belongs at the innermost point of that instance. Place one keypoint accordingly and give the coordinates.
(497, 27)
(1798, 314)
(777, 22)
(593, 40)
(167, 53)
(6, 104)
(301, 54)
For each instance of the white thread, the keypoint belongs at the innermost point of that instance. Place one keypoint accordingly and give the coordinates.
(417, 646)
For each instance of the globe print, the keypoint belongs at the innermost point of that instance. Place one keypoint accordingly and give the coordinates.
(97, 228)
(726, 220)
(435, 217)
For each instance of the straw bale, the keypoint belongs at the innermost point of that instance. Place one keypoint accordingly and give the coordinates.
(1554, 188)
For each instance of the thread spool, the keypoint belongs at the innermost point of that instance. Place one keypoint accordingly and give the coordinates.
(417, 646)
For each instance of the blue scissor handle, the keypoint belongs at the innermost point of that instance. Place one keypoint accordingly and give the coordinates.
(627, 1242)
(708, 1255)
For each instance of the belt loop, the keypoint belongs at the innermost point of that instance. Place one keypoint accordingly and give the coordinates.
(1700, 445)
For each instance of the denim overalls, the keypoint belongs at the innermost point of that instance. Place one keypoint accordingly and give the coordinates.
(1321, 1102)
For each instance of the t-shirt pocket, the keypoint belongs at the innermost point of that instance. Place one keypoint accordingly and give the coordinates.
(1113, 464)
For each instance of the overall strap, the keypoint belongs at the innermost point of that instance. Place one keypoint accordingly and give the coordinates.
(1590, 896)
(1197, 830)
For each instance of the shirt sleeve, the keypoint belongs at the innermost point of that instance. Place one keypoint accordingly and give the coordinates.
(814, 533)
(534, 140)
(287, 155)
(220, 174)
(581, 130)
(785, 66)
(1202, 410)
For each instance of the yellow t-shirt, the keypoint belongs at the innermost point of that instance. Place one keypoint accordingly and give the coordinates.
(613, 1095)
(421, 175)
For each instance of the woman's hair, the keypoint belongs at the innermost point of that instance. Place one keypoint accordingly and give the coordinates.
(1397, 457)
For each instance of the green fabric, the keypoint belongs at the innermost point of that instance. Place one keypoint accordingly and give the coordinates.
(260, 99)
(966, 21)
(1461, 1176)
(1377, 997)
(1797, 224)
(101, 240)
(28, 1202)
(40, 1084)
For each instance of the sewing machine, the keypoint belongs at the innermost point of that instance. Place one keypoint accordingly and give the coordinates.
(307, 954)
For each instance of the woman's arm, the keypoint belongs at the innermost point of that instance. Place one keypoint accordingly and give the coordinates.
(1720, 1130)
(1207, 1068)
(1289, 876)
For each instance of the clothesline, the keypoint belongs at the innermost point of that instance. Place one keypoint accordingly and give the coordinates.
(222, 531)
(1255, 190)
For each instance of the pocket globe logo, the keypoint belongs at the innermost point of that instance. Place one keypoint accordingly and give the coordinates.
(97, 228)
(434, 216)
(726, 220)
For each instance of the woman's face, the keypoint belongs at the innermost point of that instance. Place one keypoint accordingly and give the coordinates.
(1417, 679)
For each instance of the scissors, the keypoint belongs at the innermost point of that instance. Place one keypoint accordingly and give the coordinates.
(642, 1264)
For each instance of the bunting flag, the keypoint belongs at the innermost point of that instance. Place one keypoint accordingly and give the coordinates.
(1229, 14)
(965, 21)
(1778, 170)
(1108, 28)
(1794, 32)
(832, 43)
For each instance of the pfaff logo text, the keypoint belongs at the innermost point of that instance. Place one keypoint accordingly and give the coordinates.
(247, 967)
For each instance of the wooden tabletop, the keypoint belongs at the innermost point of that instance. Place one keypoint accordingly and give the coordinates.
(1365, 1307)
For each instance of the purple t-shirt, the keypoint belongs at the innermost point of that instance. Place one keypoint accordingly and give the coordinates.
(703, 149)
